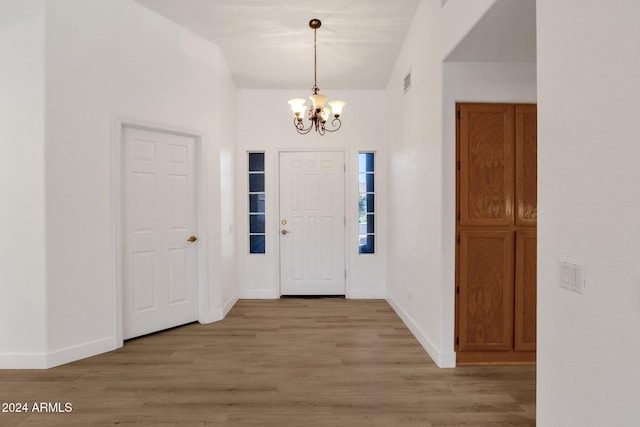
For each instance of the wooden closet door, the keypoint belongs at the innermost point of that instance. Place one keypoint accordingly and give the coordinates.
(496, 228)
(486, 290)
(486, 162)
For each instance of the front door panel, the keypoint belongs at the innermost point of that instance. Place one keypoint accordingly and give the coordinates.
(312, 223)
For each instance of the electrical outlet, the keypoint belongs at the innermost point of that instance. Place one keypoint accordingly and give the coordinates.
(572, 277)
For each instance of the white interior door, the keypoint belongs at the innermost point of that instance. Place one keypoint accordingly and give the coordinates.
(159, 218)
(312, 223)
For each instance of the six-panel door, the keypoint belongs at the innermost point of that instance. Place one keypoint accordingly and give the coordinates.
(159, 261)
(312, 223)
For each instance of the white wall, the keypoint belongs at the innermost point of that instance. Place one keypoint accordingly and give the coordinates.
(265, 123)
(226, 263)
(106, 60)
(457, 18)
(415, 257)
(22, 210)
(589, 211)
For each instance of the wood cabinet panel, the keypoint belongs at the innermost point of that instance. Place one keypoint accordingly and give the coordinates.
(525, 291)
(526, 165)
(486, 290)
(486, 164)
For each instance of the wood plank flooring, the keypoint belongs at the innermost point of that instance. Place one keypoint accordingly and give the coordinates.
(290, 362)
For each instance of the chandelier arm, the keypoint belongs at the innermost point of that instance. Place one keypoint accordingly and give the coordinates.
(306, 131)
(300, 127)
(333, 123)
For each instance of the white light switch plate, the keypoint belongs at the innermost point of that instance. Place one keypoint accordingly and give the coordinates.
(572, 276)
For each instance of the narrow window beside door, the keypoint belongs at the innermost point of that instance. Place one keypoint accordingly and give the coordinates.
(366, 205)
(256, 204)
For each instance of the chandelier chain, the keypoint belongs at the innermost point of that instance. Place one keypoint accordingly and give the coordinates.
(315, 61)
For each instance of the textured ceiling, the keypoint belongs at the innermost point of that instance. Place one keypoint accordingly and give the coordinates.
(269, 45)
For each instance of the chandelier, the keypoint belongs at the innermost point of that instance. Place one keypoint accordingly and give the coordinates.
(318, 114)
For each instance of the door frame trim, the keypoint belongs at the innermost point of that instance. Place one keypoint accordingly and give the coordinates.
(345, 153)
(119, 125)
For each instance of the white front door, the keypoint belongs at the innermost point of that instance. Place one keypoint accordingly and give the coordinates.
(159, 211)
(312, 223)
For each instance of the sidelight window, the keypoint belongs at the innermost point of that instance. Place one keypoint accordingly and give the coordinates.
(366, 204)
(257, 235)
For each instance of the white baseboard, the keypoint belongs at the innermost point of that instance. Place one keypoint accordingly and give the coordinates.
(220, 313)
(367, 294)
(447, 359)
(23, 361)
(229, 305)
(212, 316)
(57, 357)
(258, 294)
(353, 294)
(442, 359)
(81, 351)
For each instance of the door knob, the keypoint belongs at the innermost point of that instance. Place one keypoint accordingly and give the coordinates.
(192, 239)
(284, 232)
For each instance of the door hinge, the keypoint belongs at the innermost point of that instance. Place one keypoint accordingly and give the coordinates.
(458, 239)
(458, 216)
(457, 340)
(345, 274)
(458, 164)
(458, 114)
(458, 290)
(345, 220)
(344, 167)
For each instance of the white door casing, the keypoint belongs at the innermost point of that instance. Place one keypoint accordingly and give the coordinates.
(159, 265)
(312, 223)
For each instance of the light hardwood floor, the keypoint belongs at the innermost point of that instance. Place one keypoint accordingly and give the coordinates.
(290, 362)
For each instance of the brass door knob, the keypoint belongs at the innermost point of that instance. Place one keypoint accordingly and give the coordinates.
(284, 232)
(192, 239)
